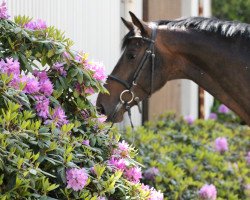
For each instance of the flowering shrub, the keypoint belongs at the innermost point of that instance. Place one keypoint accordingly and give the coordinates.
(202, 160)
(53, 143)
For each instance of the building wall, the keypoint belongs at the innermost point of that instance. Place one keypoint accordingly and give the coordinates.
(93, 25)
(179, 96)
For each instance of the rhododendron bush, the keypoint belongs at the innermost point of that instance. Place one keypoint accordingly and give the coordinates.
(203, 160)
(53, 143)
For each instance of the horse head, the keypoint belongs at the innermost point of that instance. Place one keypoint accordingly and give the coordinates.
(135, 76)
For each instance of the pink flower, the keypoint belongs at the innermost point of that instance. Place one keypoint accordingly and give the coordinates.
(118, 163)
(76, 178)
(155, 195)
(85, 142)
(46, 87)
(41, 75)
(42, 107)
(208, 192)
(123, 149)
(101, 198)
(32, 85)
(223, 109)
(133, 174)
(59, 68)
(90, 91)
(248, 158)
(151, 173)
(9, 67)
(221, 144)
(189, 119)
(59, 117)
(3, 11)
(98, 69)
(212, 116)
(102, 118)
(36, 25)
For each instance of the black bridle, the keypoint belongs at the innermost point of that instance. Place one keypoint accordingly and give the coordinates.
(149, 53)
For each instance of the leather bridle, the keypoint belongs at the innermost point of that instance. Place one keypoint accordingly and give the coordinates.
(149, 53)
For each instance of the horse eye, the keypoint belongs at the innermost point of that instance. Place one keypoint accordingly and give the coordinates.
(131, 56)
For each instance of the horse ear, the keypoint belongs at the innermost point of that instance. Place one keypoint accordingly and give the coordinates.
(139, 23)
(128, 24)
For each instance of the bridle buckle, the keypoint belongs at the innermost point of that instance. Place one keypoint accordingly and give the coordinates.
(122, 95)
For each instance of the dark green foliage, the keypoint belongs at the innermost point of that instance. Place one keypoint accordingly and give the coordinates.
(232, 10)
(186, 159)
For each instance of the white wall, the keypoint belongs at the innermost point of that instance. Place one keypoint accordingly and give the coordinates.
(93, 25)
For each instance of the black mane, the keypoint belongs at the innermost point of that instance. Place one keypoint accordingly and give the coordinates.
(213, 25)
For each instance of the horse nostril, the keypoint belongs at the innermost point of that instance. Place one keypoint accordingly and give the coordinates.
(100, 109)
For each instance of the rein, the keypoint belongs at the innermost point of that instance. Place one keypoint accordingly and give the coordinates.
(149, 53)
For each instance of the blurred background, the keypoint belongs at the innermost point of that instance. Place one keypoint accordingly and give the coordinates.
(96, 28)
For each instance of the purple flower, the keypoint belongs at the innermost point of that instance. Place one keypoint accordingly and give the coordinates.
(36, 25)
(212, 116)
(223, 109)
(189, 119)
(85, 142)
(46, 87)
(248, 158)
(85, 114)
(9, 67)
(59, 117)
(42, 107)
(101, 198)
(41, 75)
(3, 11)
(153, 194)
(221, 144)
(118, 163)
(133, 174)
(76, 178)
(151, 173)
(208, 192)
(32, 85)
(98, 69)
(59, 68)
(123, 149)
(90, 91)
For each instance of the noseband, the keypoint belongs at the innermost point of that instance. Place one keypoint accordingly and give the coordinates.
(149, 53)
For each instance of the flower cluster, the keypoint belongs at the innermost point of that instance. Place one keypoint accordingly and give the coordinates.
(36, 25)
(221, 144)
(213, 116)
(98, 69)
(189, 119)
(3, 11)
(223, 109)
(59, 68)
(153, 194)
(151, 173)
(132, 173)
(76, 178)
(208, 192)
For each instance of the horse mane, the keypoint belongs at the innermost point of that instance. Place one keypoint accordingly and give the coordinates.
(212, 25)
(224, 28)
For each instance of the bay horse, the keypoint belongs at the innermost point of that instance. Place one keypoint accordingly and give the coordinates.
(213, 53)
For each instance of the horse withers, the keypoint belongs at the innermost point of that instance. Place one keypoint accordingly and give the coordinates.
(211, 52)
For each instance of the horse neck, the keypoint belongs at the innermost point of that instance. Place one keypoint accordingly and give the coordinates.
(210, 61)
